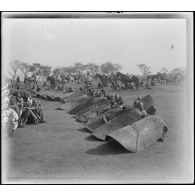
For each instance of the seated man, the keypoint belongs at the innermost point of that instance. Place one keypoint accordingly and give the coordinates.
(113, 102)
(90, 92)
(109, 99)
(35, 110)
(38, 88)
(139, 105)
(104, 92)
(28, 116)
(70, 89)
(30, 100)
(38, 111)
(28, 112)
(120, 100)
(96, 94)
(81, 88)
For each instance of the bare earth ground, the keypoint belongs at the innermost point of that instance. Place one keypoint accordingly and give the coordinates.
(61, 151)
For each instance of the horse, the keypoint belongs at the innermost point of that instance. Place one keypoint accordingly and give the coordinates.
(135, 80)
(103, 78)
(52, 80)
(159, 77)
(126, 80)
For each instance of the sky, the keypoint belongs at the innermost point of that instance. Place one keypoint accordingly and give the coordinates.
(62, 42)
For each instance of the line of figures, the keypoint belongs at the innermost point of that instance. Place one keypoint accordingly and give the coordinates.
(22, 109)
(115, 81)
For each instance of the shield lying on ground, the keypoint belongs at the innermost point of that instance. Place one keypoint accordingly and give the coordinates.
(38, 95)
(58, 99)
(140, 134)
(43, 96)
(94, 112)
(127, 117)
(79, 100)
(94, 123)
(90, 104)
(98, 105)
(81, 106)
(85, 117)
(51, 97)
(74, 95)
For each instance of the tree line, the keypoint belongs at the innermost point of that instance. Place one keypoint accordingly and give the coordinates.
(43, 71)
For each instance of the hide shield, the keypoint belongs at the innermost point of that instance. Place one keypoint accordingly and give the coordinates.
(140, 134)
(127, 117)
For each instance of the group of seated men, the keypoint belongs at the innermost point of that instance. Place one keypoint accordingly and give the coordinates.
(113, 99)
(116, 100)
(25, 110)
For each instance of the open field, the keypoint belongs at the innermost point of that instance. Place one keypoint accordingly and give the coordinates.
(61, 151)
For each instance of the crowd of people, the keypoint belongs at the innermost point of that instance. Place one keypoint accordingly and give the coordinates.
(23, 110)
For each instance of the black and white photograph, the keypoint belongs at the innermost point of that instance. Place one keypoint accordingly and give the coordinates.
(97, 98)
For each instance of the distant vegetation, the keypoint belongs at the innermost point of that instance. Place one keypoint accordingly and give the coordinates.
(43, 71)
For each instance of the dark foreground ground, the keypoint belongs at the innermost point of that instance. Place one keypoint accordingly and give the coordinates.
(61, 151)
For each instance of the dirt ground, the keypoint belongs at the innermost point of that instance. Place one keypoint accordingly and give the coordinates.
(61, 151)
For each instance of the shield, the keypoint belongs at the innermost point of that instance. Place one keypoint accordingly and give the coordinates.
(50, 97)
(90, 104)
(98, 105)
(94, 123)
(38, 95)
(140, 134)
(43, 96)
(94, 112)
(127, 117)
(58, 99)
(79, 100)
(81, 106)
(85, 117)
(74, 95)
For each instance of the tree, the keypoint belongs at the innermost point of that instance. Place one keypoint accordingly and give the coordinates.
(24, 68)
(164, 70)
(69, 69)
(57, 71)
(14, 65)
(117, 67)
(107, 68)
(92, 68)
(45, 71)
(79, 67)
(35, 69)
(144, 69)
(176, 71)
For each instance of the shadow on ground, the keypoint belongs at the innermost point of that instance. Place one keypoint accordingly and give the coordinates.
(110, 148)
(84, 130)
(92, 138)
